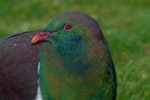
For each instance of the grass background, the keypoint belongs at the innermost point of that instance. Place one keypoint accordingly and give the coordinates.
(125, 24)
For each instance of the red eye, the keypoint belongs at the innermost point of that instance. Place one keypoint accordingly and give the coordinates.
(68, 27)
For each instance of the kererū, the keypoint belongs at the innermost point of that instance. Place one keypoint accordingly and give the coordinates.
(75, 61)
(18, 67)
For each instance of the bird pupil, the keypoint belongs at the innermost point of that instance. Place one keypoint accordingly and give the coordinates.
(68, 27)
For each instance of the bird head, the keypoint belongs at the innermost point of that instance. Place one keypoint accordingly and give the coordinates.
(69, 26)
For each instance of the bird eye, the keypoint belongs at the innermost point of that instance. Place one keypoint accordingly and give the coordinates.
(68, 27)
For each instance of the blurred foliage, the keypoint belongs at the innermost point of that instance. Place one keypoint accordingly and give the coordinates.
(125, 25)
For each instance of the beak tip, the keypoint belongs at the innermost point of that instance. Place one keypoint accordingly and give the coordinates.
(33, 41)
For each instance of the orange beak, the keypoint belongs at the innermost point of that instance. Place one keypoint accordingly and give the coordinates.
(40, 37)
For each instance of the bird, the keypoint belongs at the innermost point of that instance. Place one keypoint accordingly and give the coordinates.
(18, 66)
(75, 60)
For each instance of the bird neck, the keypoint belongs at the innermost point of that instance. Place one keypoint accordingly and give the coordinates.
(72, 55)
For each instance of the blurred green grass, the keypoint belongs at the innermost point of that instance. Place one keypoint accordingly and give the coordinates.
(125, 25)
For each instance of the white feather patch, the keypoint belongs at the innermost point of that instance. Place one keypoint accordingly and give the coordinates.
(38, 95)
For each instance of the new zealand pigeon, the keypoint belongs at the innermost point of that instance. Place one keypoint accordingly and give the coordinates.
(18, 67)
(75, 61)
